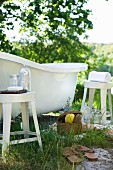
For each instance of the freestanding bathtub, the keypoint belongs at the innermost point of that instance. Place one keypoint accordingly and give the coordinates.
(53, 82)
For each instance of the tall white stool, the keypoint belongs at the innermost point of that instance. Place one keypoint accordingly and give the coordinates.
(105, 87)
(6, 101)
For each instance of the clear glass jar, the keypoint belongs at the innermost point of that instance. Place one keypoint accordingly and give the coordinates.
(14, 80)
(96, 116)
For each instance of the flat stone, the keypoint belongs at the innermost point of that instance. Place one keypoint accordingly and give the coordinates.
(67, 151)
(91, 156)
(84, 149)
(74, 159)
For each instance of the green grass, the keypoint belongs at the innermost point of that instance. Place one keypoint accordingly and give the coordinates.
(28, 156)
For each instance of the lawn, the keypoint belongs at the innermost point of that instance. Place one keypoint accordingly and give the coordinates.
(28, 156)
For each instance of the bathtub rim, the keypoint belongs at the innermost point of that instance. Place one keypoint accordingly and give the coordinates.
(49, 67)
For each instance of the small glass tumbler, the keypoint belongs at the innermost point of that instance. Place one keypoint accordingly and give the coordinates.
(96, 116)
(14, 80)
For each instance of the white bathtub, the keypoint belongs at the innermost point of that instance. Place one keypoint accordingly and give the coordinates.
(53, 83)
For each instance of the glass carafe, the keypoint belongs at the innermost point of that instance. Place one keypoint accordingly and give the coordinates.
(25, 78)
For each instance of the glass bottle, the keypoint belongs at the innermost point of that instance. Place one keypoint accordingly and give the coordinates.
(25, 78)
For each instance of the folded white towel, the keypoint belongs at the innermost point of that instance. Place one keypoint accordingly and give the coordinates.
(99, 76)
(13, 88)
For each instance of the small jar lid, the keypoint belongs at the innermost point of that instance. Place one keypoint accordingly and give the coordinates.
(14, 75)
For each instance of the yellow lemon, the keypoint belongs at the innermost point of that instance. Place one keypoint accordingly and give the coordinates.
(69, 118)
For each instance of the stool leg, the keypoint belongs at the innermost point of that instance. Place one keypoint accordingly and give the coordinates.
(36, 123)
(91, 97)
(25, 118)
(84, 98)
(7, 108)
(103, 104)
(0, 111)
(110, 101)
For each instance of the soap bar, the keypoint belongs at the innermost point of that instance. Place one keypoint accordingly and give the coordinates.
(15, 88)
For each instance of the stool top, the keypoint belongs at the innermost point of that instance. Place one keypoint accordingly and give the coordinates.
(15, 98)
(98, 85)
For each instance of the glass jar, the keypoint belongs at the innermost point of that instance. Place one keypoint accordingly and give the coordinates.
(14, 80)
(96, 116)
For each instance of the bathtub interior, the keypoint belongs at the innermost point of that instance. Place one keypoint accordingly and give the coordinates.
(65, 67)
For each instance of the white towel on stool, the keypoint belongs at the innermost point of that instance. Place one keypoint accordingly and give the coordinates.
(99, 76)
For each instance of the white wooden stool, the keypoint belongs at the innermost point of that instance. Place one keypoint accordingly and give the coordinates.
(104, 88)
(6, 101)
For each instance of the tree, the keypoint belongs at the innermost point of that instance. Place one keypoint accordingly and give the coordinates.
(54, 27)
(8, 15)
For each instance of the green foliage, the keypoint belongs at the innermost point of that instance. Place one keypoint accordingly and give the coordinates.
(51, 19)
(105, 56)
(51, 28)
(56, 26)
(8, 14)
(94, 138)
(61, 50)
